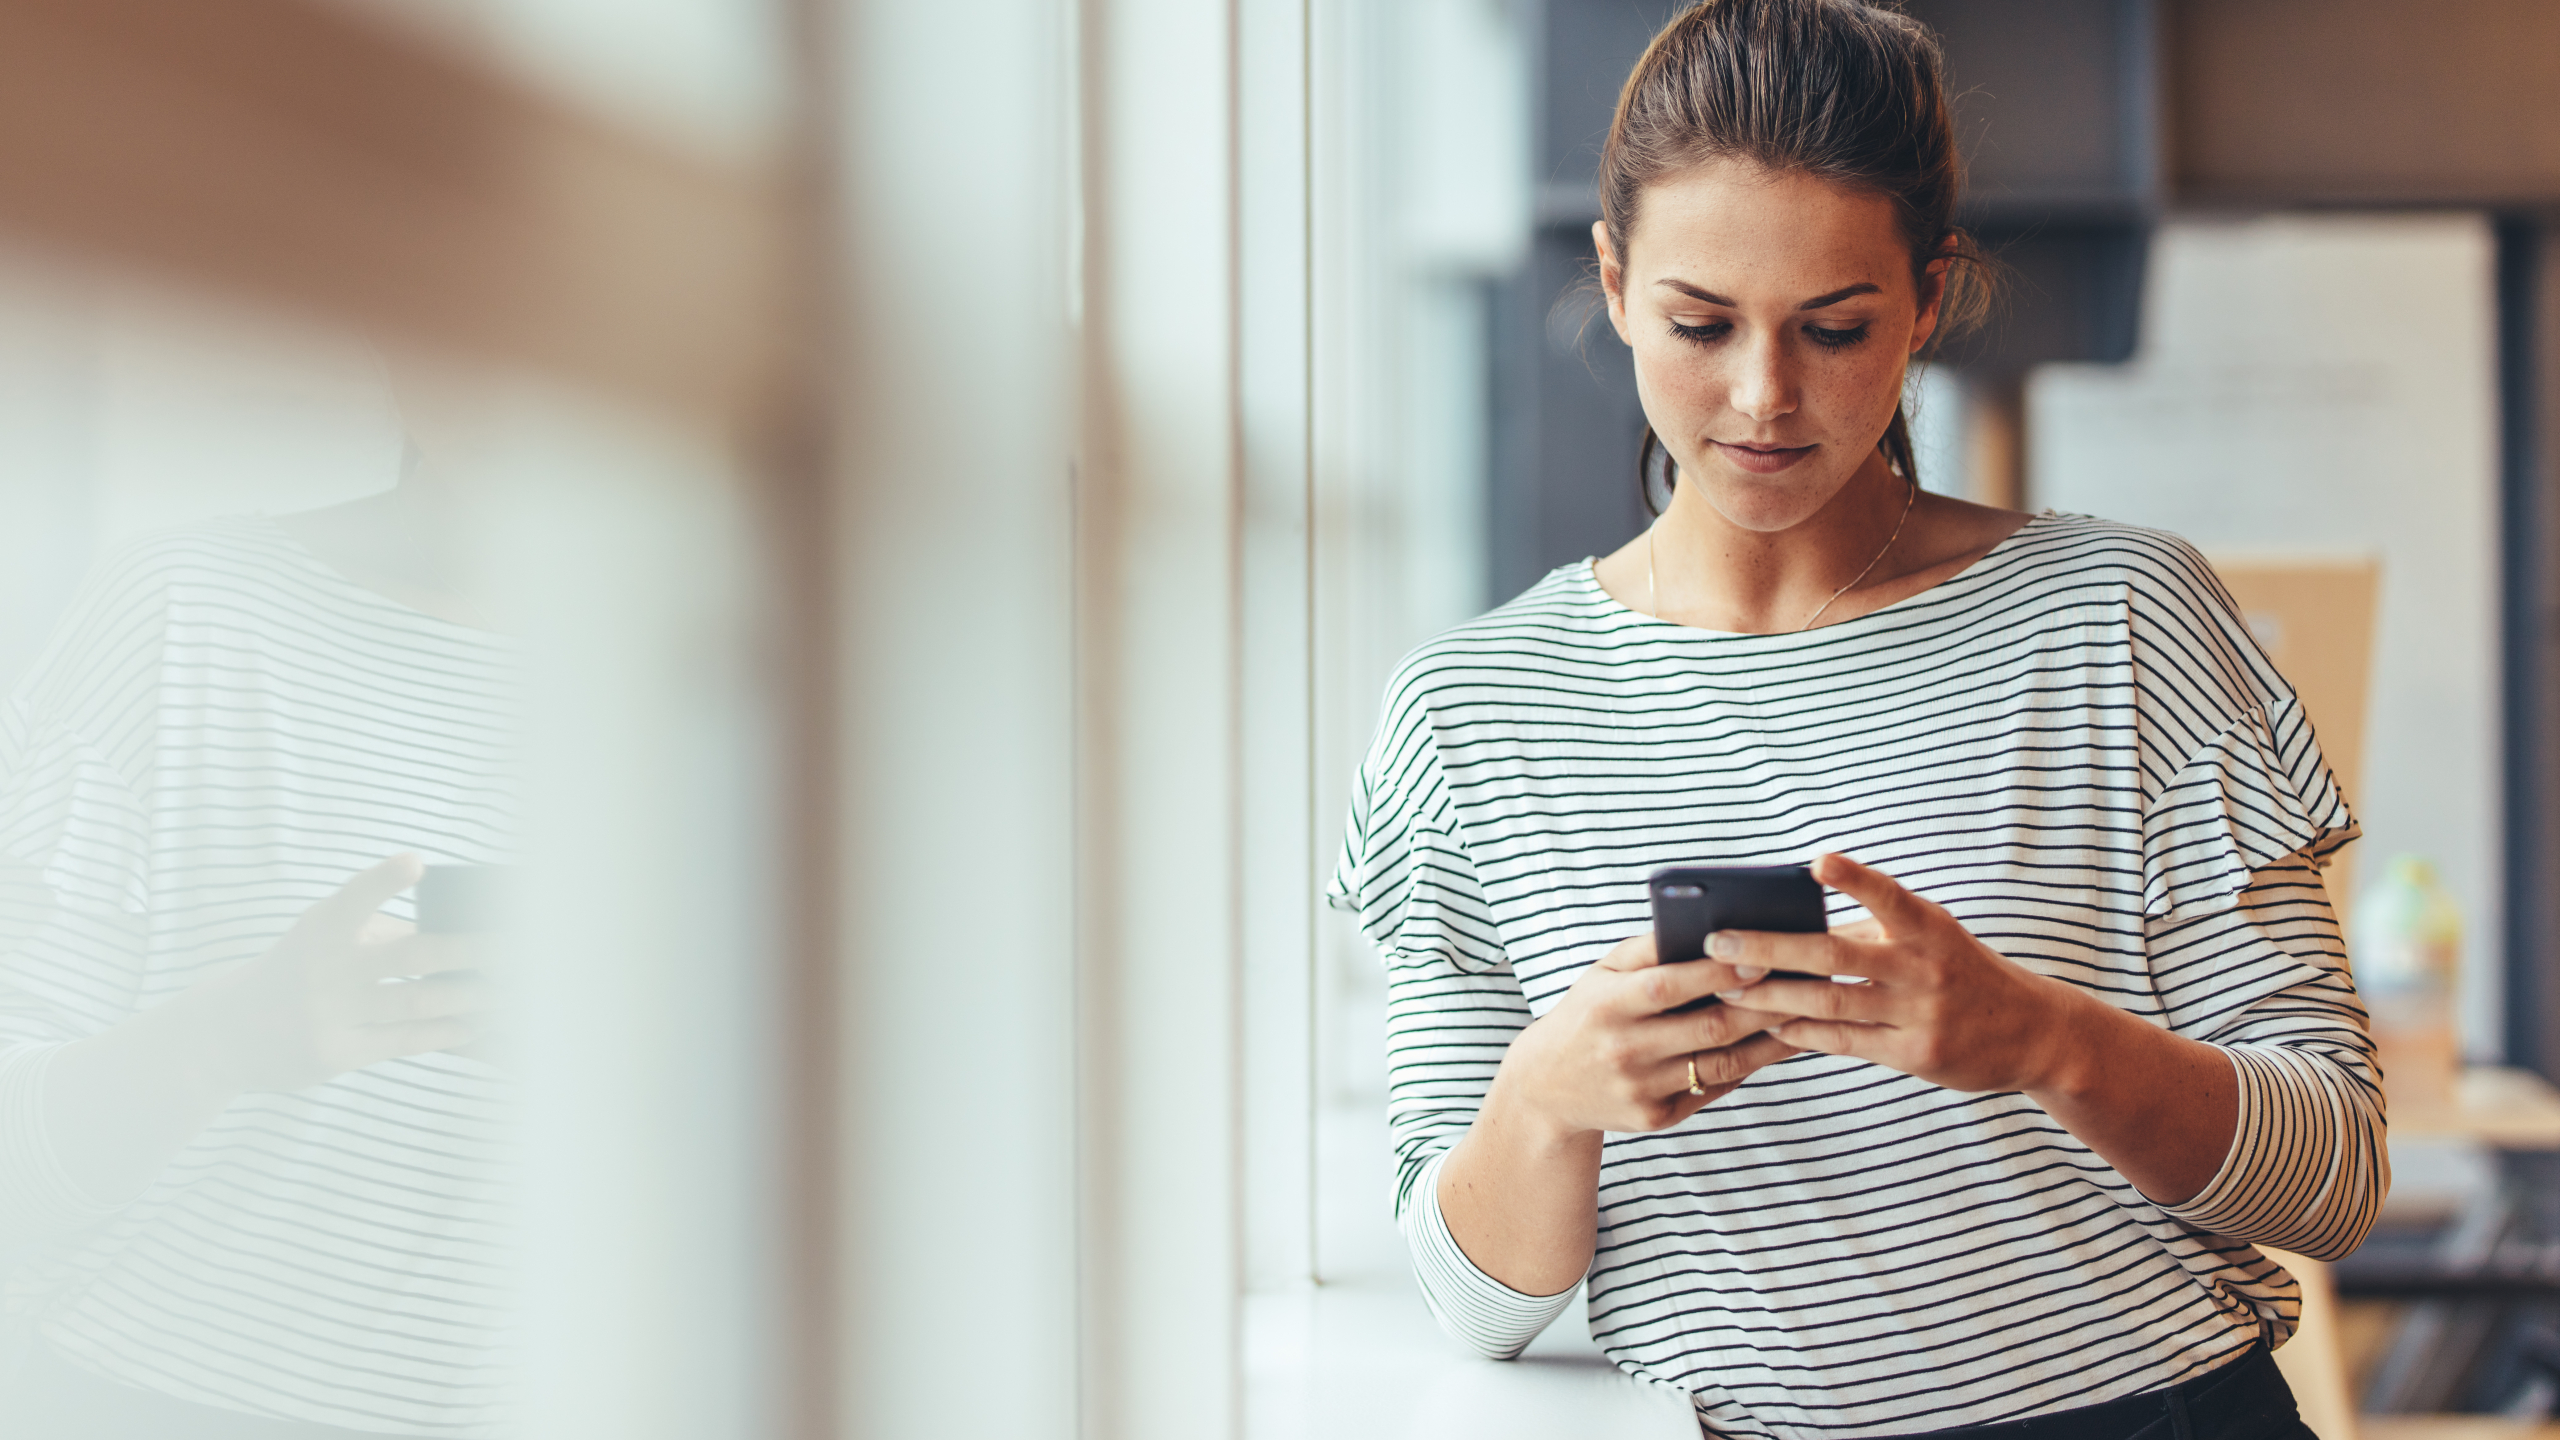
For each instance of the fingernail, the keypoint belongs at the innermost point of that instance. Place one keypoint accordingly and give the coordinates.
(1750, 972)
(1721, 945)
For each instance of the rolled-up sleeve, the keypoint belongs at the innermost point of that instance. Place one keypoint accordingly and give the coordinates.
(1453, 1009)
(1481, 1312)
(2307, 1169)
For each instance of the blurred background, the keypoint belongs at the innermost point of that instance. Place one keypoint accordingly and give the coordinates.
(889, 523)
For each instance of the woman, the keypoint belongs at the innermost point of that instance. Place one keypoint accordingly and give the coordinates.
(249, 1188)
(2103, 1041)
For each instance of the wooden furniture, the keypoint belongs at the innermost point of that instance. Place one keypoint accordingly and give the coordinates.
(2493, 1104)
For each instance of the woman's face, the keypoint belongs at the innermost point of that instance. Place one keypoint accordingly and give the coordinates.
(1771, 318)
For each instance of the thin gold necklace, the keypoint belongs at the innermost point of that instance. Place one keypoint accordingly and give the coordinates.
(1653, 604)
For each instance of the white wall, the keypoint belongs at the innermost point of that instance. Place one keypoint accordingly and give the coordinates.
(1423, 187)
(958, 1019)
(2328, 383)
(1933, 400)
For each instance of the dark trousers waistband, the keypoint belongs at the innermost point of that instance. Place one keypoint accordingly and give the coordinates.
(2244, 1400)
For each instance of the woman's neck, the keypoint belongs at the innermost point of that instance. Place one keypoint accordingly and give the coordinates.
(1879, 540)
(404, 544)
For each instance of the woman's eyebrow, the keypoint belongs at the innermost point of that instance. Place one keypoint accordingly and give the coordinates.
(1863, 287)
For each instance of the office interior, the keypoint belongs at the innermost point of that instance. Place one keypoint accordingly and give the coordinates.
(954, 480)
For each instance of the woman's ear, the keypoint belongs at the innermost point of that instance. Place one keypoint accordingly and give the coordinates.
(1613, 280)
(1933, 293)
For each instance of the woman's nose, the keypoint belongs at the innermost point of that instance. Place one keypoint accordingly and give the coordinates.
(1765, 387)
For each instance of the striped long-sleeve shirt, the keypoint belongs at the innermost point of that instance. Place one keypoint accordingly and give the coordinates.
(222, 732)
(2077, 748)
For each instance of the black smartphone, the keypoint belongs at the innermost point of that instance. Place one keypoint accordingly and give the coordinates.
(1692, 902)
(462, 899)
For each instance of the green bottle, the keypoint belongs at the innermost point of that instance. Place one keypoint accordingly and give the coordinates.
(2407, 952)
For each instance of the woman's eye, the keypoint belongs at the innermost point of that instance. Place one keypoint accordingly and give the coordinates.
(1705, 334)
(1834, 339)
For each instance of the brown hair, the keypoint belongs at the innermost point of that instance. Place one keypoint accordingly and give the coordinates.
(1836, 89)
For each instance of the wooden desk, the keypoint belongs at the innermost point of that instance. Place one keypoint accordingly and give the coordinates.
(2493, 1104)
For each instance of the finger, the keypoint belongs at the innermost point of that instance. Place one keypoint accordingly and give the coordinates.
(1865, 930)
(1747, 1022)
(1722, 1069)
(346, 910)
(381, 929)
(427, 954)
(414, 1037)
(1659, 988)
(1784, 1000)
(1876, 1043)
(1712, 1028)
(438, 997)
(1633, 953)
(1753, 953)
(1900, 910)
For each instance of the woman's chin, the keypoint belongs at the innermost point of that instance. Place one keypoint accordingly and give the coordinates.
(1769, 505)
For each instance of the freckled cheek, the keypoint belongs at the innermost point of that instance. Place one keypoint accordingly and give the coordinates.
(1679, 388)
(1862, 391)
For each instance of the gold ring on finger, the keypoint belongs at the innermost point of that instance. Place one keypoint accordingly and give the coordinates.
(1694, 1087)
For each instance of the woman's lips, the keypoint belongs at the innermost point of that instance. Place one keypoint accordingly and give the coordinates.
(1761, 459)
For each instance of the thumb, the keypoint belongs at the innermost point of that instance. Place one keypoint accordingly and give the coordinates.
(355, 902)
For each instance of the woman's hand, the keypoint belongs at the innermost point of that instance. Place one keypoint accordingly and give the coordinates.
(1521, 1192)
(1931, 1001)
(1937, 1003)
(1614, 1053)
(345, 988)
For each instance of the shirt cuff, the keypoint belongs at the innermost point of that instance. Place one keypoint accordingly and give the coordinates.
(37, 1194)
(2287, 1158)
(1486, 1315)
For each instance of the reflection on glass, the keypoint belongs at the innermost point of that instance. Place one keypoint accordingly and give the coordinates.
(253, 1121)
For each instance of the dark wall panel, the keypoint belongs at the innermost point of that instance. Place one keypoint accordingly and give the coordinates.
(2053, 100)
(1566, 423)
(2529, 520)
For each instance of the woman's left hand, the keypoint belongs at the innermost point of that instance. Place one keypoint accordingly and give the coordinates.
(1934, 1001)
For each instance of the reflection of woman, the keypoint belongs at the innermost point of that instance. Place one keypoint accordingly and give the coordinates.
(2105, 1044)
(250, 1191)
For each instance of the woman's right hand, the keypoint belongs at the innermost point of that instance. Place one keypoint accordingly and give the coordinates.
(346, 987)
(1612, 1055)
(1520, 1191)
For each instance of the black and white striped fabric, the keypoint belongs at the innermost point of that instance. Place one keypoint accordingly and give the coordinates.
(2076, 747)
(224, 731)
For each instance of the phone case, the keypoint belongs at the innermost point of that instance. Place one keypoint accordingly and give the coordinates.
(459, 899)
(1691, 902)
